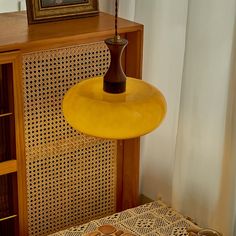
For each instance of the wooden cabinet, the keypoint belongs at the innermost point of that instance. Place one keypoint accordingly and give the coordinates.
(8, 203)
(53, 177)
(9, 151)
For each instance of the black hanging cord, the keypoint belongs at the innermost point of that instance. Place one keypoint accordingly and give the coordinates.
(115, 79)
(116, 17)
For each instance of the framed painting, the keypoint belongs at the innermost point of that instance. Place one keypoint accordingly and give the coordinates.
(51, 10)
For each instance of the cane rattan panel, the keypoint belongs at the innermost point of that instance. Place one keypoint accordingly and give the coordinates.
(71, 178)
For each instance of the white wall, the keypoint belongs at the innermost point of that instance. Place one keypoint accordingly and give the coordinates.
(126, 8)
(106, 6)
(11, 5)
(8, 6)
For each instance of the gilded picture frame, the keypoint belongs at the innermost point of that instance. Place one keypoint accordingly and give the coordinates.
(51, 10)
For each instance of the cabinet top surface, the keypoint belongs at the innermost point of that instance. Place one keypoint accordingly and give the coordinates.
(17, 34)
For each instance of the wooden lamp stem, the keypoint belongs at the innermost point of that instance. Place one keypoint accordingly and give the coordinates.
(115, 79)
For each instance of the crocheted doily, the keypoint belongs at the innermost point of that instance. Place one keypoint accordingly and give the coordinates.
(152, 219)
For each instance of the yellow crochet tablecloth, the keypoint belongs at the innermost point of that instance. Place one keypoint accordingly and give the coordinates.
(152, 219)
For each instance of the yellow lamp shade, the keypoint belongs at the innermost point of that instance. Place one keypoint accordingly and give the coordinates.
(90, 110)
(137, 111)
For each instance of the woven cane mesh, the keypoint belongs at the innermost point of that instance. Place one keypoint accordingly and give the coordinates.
(71, 178)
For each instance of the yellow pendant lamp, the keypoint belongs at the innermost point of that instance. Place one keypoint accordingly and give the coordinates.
(113, 106)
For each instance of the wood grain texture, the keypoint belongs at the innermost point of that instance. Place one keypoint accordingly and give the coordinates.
(134, 54)
(19, 38)
(20, 145)
(14, 58)
(19, 35)
(119, 189)
(130, 188)
(8, 167)
(131, 147)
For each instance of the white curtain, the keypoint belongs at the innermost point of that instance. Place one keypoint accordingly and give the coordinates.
(190, 161)
(189, 53)
(204, 179)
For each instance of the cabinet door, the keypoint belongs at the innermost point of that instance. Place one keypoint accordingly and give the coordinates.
(71, 177)
(8, 166)
(8, 205)
(7, 127)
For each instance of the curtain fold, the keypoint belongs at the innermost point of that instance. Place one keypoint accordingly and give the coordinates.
(164, 45)
(204, 179)
(190, 160)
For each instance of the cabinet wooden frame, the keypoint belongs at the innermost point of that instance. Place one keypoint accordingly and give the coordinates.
(9, 204)
(8, 167)
(13, 57)
(62, 34)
